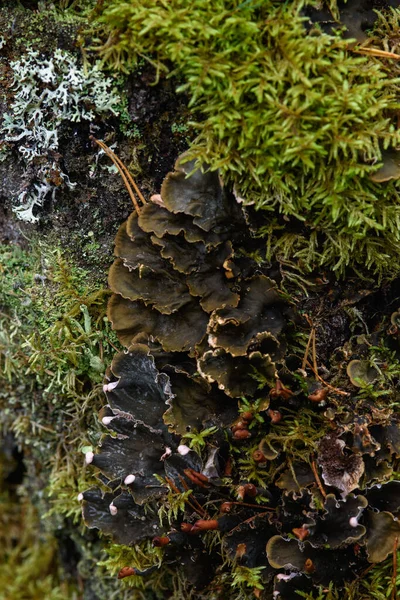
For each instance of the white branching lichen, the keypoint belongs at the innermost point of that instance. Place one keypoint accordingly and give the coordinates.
(49, 92)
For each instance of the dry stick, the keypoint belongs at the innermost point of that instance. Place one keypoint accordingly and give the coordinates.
(365, 572)
(314, 352)
(314, 366)
(240, 504)
(247, 521)
(377, 52)
(317, 479)
(253, 505)
(328, 385)
(129, 176)
(394, 574)
(304, 363)
(111, 154)
(124, 168)
(113, 345)
(194, 501)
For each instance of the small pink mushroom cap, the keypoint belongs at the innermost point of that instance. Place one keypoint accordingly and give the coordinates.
(113, 509)
(129, 479)
(89, 456)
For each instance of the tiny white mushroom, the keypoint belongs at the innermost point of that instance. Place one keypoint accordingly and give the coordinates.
(107, 420)
(129, 479)
(108, 387)
(167, 453)
(80, 497)
(89, 456)
(113, 509)
(183, 450)
(353, 521)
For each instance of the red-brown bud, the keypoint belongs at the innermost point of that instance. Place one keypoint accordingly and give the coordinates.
(186, 527)
(159, 542)
(226, 507)
(240, 424)
(258, 456)
(240, 551)
(274, 415)
(301, 533)
(248, 489)
(309, 566)
(247, 416)
(319, 395)
(228, 467)
(126, 572)
(195, 477)
(241, 434)
(205, 525)
(280, 391)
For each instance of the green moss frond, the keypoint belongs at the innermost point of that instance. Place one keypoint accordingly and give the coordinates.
(55, 341)
(296, 120)
(28, 555)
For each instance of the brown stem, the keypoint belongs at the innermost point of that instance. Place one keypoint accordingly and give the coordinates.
(317, 479)
(330, 387)
(195, 504)
(377, 52)
(123, 171)
(305, 359)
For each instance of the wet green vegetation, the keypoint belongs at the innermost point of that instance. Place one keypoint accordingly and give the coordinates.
(305, 128)
(293, 116)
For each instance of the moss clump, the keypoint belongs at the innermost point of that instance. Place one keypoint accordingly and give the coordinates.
(54, 340)
(30, 562)
(295, 119)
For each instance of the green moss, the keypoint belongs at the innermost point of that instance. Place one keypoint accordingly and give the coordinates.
(377, 583)
(55, 341)
(297, 121)
(28, 554)
(243, 577)
(41, 29)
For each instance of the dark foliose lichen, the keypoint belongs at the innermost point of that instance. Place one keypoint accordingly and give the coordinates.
(225, 449)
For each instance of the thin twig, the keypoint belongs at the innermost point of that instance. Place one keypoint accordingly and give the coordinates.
(113, 345)
(314, 352)
(131, 180)
(247, 521)
(304, 363)
(317, 479)
(330, 387)
(261, 506)
(377, 52)
(314, 367)
(254, 505)
(122, 171)
(43, 427)
(194, 502)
